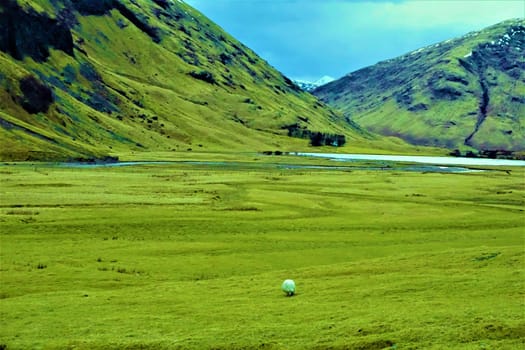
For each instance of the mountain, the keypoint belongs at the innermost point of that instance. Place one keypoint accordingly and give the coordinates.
(310, 86)
(466, 93)
(85, 79)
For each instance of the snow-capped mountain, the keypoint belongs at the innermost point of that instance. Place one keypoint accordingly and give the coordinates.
(309, 86)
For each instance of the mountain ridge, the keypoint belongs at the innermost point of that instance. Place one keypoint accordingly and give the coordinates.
(466, 93)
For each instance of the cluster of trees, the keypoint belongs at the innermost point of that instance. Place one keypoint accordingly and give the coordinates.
(324, 139)
(317, 138)
(494, 154)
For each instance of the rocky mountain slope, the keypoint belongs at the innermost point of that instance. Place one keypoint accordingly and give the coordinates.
(83, 79)
(467, 93)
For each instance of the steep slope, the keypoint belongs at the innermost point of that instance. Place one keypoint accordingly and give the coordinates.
(467, 93)
(89, 78)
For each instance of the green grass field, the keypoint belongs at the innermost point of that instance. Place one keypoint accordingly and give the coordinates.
(192, 256)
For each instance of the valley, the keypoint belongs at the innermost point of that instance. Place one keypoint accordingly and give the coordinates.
(191, 256)
(159, 181)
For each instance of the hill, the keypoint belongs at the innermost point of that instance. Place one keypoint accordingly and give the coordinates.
(466, 93)
(82, 79)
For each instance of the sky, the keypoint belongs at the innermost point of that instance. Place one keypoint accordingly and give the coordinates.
(309, 39)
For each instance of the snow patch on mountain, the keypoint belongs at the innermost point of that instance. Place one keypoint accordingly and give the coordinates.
(309, 86)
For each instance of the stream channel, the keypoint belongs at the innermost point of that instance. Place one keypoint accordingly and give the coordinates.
(358, 162)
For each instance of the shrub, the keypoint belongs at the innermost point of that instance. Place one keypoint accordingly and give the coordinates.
(37, 97)
(89, 72)
(139, 20)
(291, 84)
(102, 102)
(93, 7)
(204, 76)
(162, 3)
(225, 58)
(69, 73)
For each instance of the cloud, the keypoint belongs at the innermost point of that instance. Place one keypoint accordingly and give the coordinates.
(440, 13)
(312, 38)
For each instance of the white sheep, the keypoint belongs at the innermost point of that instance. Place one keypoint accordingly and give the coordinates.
(288, 287)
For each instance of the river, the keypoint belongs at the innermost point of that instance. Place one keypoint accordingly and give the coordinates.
(416, 159)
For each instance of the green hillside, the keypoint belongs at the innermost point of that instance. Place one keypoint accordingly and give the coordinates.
(466, 93)
(87, 79)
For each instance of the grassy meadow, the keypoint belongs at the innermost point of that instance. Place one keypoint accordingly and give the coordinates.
(178, 256)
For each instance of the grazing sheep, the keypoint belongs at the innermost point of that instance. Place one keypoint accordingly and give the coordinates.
(288, 287)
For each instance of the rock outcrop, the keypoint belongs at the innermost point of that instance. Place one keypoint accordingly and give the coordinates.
(29, 33)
